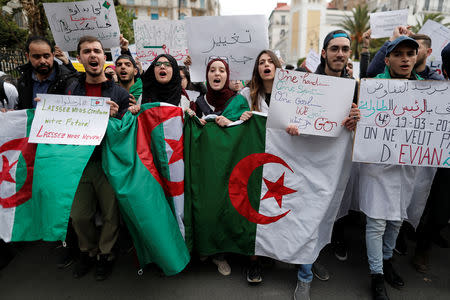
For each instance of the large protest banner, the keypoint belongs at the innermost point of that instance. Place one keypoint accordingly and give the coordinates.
(236, 39)
(440, 37)
(70, 120)
(317, 104)
(71, 20)
(384, 23)
(153, 38)
(404, 123)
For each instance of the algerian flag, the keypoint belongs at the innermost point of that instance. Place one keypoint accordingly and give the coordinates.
(143, 160)
(259, 192)
(37, 182)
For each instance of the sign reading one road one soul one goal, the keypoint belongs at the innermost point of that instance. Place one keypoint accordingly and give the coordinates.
(74, 120)
(316, 104)
(404, 123)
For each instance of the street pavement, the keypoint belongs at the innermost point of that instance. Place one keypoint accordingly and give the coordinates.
(33, 275)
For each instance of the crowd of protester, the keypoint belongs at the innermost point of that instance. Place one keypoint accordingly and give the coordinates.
(403, 56)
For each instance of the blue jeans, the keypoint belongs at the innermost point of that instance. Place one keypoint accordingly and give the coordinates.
(305, 273)
(380, 242)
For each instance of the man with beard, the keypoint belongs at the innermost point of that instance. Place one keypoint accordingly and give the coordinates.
(94, 189)
(377, 65)
(41, 75)
(333, 61)
(127, 70)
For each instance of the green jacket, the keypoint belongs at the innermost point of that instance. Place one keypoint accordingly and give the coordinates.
(136, 89)
(387, 75)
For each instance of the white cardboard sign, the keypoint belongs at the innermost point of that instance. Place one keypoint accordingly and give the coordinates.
(312, 60)
(384, 23)
(404, 122)
(72, 120)
(317, 104)
(440, 37)
(236, 39)
(155, 37)
(116, 52)
(69, 21)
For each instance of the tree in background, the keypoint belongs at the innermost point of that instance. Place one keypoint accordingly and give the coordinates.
(356, 25)
(437, 17)
(11, 35)
(125, 19)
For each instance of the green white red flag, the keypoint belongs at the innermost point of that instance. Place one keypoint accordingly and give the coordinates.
(143, 160)
(262, 192)
(37, 182)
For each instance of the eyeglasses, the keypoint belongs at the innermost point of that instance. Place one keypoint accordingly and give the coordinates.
(335, 49)
(162, 63)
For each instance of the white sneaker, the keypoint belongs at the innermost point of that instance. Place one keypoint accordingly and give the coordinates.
(302, 290)
(222, 266)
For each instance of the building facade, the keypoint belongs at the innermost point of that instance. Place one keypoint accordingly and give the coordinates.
(278, 23)
(171, 9)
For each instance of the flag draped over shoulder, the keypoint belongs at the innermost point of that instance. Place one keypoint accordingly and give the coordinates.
(254, 192)
(143, 160)
(37, 183)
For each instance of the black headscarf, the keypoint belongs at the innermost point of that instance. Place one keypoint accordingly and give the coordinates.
(153, 91)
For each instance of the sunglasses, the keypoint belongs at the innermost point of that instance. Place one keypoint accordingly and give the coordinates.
(162, 63)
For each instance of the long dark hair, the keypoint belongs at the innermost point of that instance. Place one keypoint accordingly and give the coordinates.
(256, 84)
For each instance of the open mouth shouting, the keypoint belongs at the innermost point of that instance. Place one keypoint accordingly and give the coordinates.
(123, 74)
(404, 67)
(94, 65)
(162, 73)
(216, 83)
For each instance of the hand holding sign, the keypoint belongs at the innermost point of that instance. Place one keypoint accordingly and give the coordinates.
(73, 120)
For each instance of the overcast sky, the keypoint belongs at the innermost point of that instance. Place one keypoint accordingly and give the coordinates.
(248, 7)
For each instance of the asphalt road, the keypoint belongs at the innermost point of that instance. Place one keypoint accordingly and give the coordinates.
(33, 275)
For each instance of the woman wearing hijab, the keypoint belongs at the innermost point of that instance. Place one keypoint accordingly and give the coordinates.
(219, 99)
(162, 83)
(222, 102)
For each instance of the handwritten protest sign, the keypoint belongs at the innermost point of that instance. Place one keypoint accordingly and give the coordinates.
(116, 52)
(317, 104)
(236, 39)
(74, 120)
(384, 23)
(155, 37)
(404, 123)
(312, 60)
(71, 20)
(440, 37)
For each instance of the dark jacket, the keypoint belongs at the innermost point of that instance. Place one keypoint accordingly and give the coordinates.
(364, 59)
(109, 89)
(64, 77)
(377, 66)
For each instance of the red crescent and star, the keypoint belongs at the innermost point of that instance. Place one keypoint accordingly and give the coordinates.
(237, 187)
(28, 152)
(148, 120)
(5, 175)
